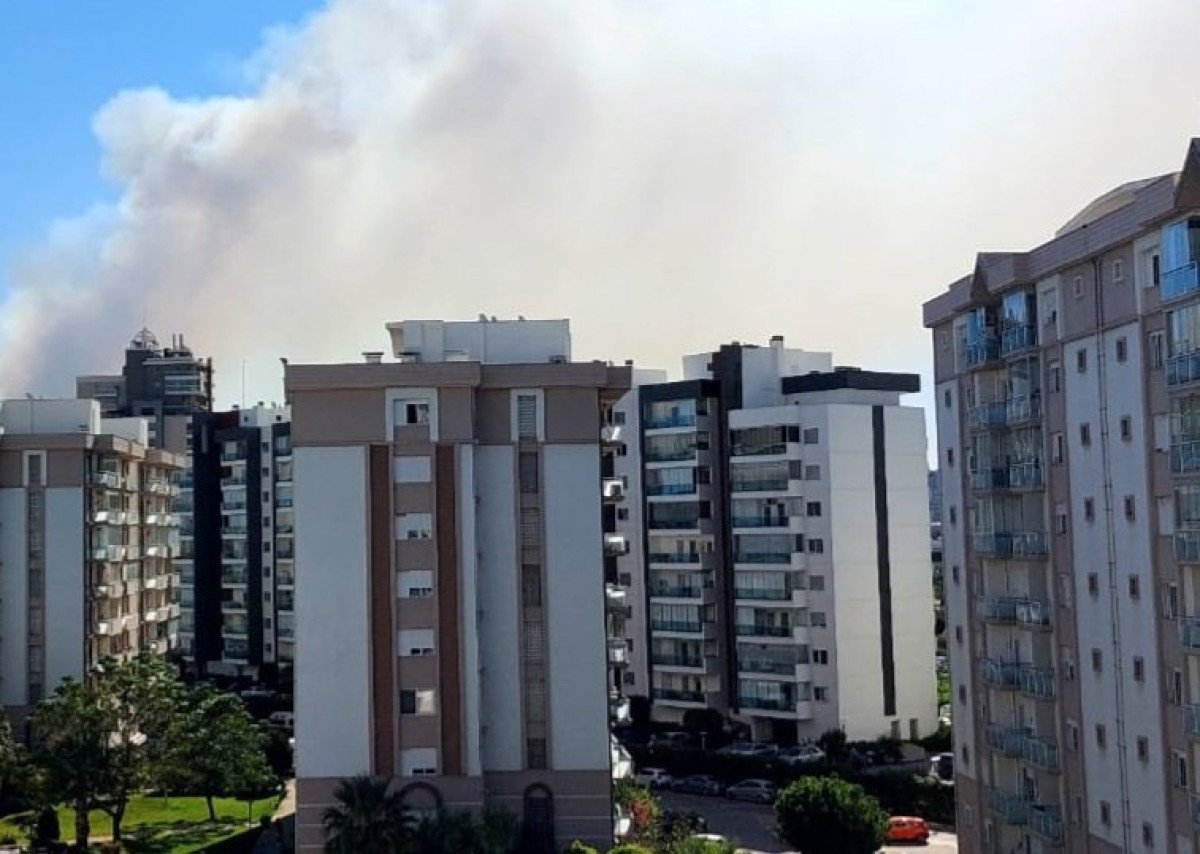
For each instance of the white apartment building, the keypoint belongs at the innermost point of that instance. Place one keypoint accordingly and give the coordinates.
(450, 605)
(1067, 439)
(86, 541)
(785, 537)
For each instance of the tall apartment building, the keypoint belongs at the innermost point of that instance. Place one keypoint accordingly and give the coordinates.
(237, 572)
(164, 385)
(451, 599)
(85, 546)
(784, 534)
(1067, 438)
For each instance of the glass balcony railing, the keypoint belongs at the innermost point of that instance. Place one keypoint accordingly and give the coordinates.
(671, 489)
(674, 557)
(677, 591)
(1040, 753)
(1187, 546)
(980, 351)
(1005, 740)
(669, 660)
(1015, 339)
(762, 557)
(670, 455)
(1014, 809)
(677, 419)
(1010, 544)
(1005, 413)
(677, 694)
(768, 704)
(1046, 822)
(760, 521)
(1000, 609)
(1191, 720)
(761, 484)
(1034, 613)
(1189, 632)
(765, 665)
(673, 524)
(1001, 674)
(1037, 682)
(1185, 456)
(1018, 476)
(764, 594)
(1183, 368)
(761, 631)
(686, 626)
(1180, 282)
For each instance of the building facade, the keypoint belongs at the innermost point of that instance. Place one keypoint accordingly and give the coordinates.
(237, 577)
(783, 500)
(1067, 436)
(86, 546)
(163, 385)
(451, 597)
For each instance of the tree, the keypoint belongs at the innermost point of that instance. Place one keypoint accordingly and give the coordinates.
(827, 815)
(366, 818)
(641, 805)
(833, 742)
(216, 748)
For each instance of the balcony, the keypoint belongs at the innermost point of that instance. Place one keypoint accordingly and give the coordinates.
(760, 484)
(1040, 753)
(760, 631)
(1189, 633)
(1019, 544)
(690, 558)
(1013, 412)
(1033, 613)
(1037, 683)
(1011, 808)
(1191, 721)
(692, 524)
(615, 545)
(1001, 610)
(1017, 339)
(660, 489)
(679, 455)
(1179, 282)
(677, 695)
(763, 594)
(977, 353)
(1047, 823)
(760, 521)
(677, 591)
(1183, 368)
(1006, 740)
(1187, 546)
(1017, 477)
(668, 422)
(662, 659)
(768, 704)
(1001, 674)
(759, 558)
(106, 479)
(687, 627)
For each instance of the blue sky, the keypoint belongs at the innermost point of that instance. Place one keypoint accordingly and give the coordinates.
(60, 60)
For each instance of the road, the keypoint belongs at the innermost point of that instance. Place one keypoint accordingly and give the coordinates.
(752, 826)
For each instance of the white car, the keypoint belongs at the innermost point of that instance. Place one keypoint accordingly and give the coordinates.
(286, 720)
(655, 778)
(802, 754)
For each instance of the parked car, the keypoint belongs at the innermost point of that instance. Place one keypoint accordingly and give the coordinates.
(941, 766)
(802, 754)
(749, 748)
(904, 828)
(700, 784)
(672, 739)
(754, 791)
(655, 778)
(284, 720)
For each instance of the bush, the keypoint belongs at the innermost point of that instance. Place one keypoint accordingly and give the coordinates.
(630, 848)
(578, 847)
(829, 816)
(702, 846)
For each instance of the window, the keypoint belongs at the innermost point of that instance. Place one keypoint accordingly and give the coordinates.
(531, 527)
(811, 435)
(946, 398)
(1077, 287)
(1139, 669)
(1147, 834)
(1126, 428)
(950, 457)
(1058, 451)
(1135, 586)
(35, 468)
(1055, 377)
(1101, 736)
(816, 582)
(1177, 687)
(1060, 522)
(527, 416)
(1093, 584)
(535, 754)
(1089, 509)
(954, 574)
(1179, 770)
(412, 411)
(812, 472)
(816, 545)
(820, 656)
(531, 585)
(812, 508)
(416, 702)
(1073, 735)
(965, 753)
(1171, 605)
(1130, 508)
(1118, 271)
(1085, 434)
(820, 694)
(817, 619)
(416, 642)
(1155, 268)
(1156, 349)
(958, 634)
(527, 471)
(962, 695)
(1143, 749)
(1081, 360)
(1122, 350)
(414, 583)
(1097, 659)
(953, 513)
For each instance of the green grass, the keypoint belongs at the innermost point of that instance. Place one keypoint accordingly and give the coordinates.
(174, 825)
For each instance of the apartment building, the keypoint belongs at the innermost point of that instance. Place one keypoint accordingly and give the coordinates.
(451, 598)
(163, 384)
(86, 544)
(237, 573)
(784, 534)
(1067, 435)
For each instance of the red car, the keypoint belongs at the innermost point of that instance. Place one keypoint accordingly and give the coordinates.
(903, 828)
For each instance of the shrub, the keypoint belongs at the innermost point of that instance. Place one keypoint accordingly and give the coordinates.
(828, 815)
(630, 848)
(578, 847)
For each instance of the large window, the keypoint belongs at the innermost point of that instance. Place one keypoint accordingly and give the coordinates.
(762, 440)
(673, 447)
(672, 481)
(669, 413)
(760, 477)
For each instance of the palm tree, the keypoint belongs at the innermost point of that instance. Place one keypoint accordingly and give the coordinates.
(367, 818)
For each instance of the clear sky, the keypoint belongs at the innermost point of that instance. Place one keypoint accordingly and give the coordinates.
(670, 174)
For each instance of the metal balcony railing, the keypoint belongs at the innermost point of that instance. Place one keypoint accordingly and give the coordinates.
(1189, 632)
(1001, 674)
(1179, 282)
(1040, 753)
(1037, 682)
(1014, 339)
(1183, 368)
(677, 694)
(1006, 740)
(1014, 809)
(1046, 822)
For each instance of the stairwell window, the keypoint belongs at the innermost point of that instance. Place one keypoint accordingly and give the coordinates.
(1093, 584)
(1097, 660)
(1105, 813)
(1085, 434)
(1089, 509)
(1118, 271)
(1139, 669)
(1143, 749)
(527, 416)
(1077, 287)
(1130, 508)
(1081, 360)
(1135, 587)
(1179, 770)
(1101, 736)
(1122, 349)
(1126, 428)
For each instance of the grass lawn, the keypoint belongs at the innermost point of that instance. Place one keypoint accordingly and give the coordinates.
(175, 825)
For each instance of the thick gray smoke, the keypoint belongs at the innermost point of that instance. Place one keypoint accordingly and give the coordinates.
(668, 174)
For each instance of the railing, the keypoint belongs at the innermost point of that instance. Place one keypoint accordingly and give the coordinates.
(677, 591)
(108, 479)
(1033, 612)
(1187, 546)
(228, 577)
(672, 524)
(1010, 544)
(1189, 632)
(1037, 682)
(1180, 281)
(1183, 368)
(762, 484)
(1046, 823)
(763, 631)
(1191, 720)
(1001, 674)
(686, 626)
(763, 594)
(1000, 609)
(768, 704)
(1040, 753)
(1014, 809)
(1185, 456)
(662, 422)
(677, 694)
(1014, 339)
(674, 557)
(774, 449)
(980, 352)
(762, 557)
(671, 489)
(1017, 476)
(765, 665)
(1005, 413)
(760, 522)
(676, 456)
(665, 660)
(1006, 740)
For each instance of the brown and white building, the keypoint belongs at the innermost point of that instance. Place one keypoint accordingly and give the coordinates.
(86, 541)
(450, 597)
(1068, 411)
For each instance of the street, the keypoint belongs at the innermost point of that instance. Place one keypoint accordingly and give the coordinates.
(752, 826)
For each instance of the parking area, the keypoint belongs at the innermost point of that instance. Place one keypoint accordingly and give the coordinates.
(753, 826)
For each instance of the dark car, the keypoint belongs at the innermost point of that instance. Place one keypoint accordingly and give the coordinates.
(942, 766)
(700, 784)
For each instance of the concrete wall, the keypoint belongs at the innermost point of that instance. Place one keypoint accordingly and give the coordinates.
(66, 579)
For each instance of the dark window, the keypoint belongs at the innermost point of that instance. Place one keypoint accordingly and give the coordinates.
(527, 471)
(531, 585)
(1122, 349)
(1081, 360)
(408, 702)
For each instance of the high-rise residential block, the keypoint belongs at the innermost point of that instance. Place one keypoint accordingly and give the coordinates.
(1068, 427)
(237, 580)
(163, 384)
(86, 539)
(784, 547)
(450, 580)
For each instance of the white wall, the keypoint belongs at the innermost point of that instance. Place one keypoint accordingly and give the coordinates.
(13, 598)
(65, 582)
(503, 342)
(50, 416)
(499, 641)
(333, 683)
(575, 596)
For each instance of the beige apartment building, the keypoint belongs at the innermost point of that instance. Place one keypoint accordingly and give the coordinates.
(450, 595)
(86, 544)
(1068, 411)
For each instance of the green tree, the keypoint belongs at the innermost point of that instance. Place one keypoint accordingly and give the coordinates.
(366, 818)
(216, 748)
(833, 742)
(827, 815)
